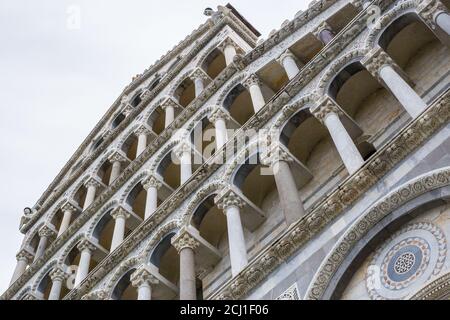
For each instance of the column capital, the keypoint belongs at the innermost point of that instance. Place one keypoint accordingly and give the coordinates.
(227, 42)
(228, 198)
(93, 182)
(252, 80)
(429, 9)
(169, 102)
(107, 134)
(120, 212)
(143, 129)
(326, 107)
(47, 231)
(219, 113)
(323, 26)
(276, 154)
(151, 182)
(375, 60)
(199, 74)
(25, 255)
(143, 276)
(58, 273)
(70, 206)
(118, 156)
(127, 110)
(182, 148)
(286, 54)
(184, 240)
(86, 244)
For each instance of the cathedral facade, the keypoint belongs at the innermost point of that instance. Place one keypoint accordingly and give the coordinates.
(314, 164)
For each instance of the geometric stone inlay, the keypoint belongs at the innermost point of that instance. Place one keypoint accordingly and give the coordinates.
(290, 294)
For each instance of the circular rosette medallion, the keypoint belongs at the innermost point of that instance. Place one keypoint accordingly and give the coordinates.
(406, 261)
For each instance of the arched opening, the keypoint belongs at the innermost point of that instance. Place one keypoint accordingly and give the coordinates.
(214, 63)
(104, 230)
(136, 100)
(124, 289)
(97, 144)
(170, 171)
(165, 258)
(211, 223)
(203, 140)
(118, 120)
(310, 142)
(364, 99)
(157, 120)
(137, 200)
(154, 84)
(185, 92)
(273, 76)
(104, 173)
(252, 181)
(130, 147)
(412, 45)
(80, 196)
(239, 104)
(34, 243)
(44, 287)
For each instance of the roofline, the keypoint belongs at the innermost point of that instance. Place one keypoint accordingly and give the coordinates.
(245, 21)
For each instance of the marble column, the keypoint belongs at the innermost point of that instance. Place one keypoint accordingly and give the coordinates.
(328, 112)
(324, 33)
(68, 209)
(120, 215)
(117, 159)
(382, 67)
(232, 204)
(93, 185)
(435, 14)
(219, 118)
(86, 249)
(169, 107)
(58, 276)
(142, 133)
(184, 154)
(253, 85)
(151, 184)
(143, 281)
(186, 246)
(199, 77)
(289, 63)
(228, 47)
(45, 233)
(23, 259)
(279, 161)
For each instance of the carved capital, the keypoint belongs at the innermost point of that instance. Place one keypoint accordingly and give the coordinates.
(70, 206)
(143, 130)
(287, 54)
(142, 276)
(118, 156)
(429, 9)
(375, 60)
(228, 199)
(25, 255)
(275, 155)
(326, 107)
(151, 182)
(120, 212)
(323, 26)
(47, 231)
(86, 244)
(184, 240)
(199, 74)
(169, 102)
(228, 42)
(252, 80)
(93, 182)
(219, 113)
(58, 274)
(127, 110)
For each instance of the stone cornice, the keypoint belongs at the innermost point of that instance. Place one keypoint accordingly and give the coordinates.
(274, 105)
(279, 36)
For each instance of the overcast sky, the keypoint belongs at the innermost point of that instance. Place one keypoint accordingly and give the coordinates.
(57, 80)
